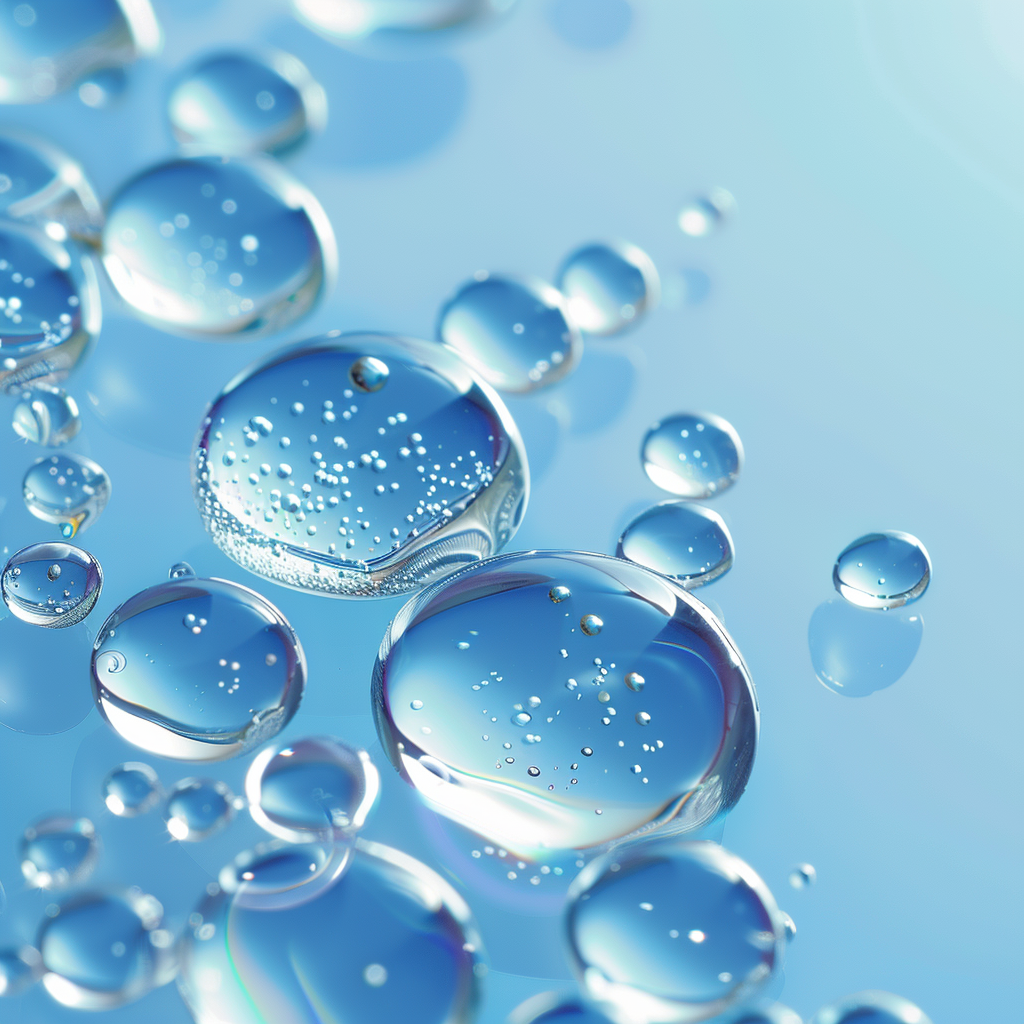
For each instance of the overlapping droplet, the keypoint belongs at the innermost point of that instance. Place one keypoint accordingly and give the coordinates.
(196, 809)
(694, 455)
(131, 789)
(67, 490)
(883, 570)
(52, 585)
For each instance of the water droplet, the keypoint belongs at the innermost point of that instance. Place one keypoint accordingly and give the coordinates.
(704, 215)
(559, 594)
(46, 416)
(131, 789)
(635, 681)
(356, 23)
(103, 88)
(591, 624)
(278, 875)
(803, 876)
(67, 490)
(20, 969)
(368, 374)
(197, 808)
(642, 718)
(694, 455)
(375, 975)
(58, 852)
(432, 456)
(154, 252)
(871, 1008)
(555, 1008)
(53, 585)
(180, 571)
(515, 332)
(197, 696)
(883, 570)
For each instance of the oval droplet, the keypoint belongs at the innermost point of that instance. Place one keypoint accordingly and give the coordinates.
(131, 789)
(46, 416)
(58, 852)
(368, 374)
(195, 809)
(52, 585)
(694, 455)
(704, 215)
(871, 1008)
(883, 570)
(67, 490)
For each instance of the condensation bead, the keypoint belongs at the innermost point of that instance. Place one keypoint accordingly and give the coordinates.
(67, 490)
(53, 585)
(46, 416)
(883, 570)
(871, 1008)
(58, 852)
(195, 809)
(131, 789)
(694, 455)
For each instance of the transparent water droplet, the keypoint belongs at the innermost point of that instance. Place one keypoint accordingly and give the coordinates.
(368, 373)
(352, 23)
(694, 455)
(103, 88)
(278, 875)
(52, 585)
(20, 968)
(704, 215)
(67, 490)
(196, 809)
(58, 852)
(635, 681)
(555, 1008)
(46, 416)
(871, 1008)
(883, 570)
(803, 876)
(559, 594)
(131, 789)
(180, 571)
(591, 624)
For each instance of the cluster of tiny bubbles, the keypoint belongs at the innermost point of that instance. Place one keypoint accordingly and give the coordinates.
(385, 939)
(672, 931)
(46, 416)
(49, 307)
(101, 950)
(20, 968)
(703, 215)
(630, 706)
(196, 809)
(871, 1008)
(688, 542)
(214, 246)
(240, 103)
(131, 789)
(359, 465)
(515, 332)
(315, 789)
(608, 286)
(883, 570)
(803, 876)
(197, 670)
(52, 585)
(555, 1008)
(67, 490)
(693, 455)
(58, 852)
(46, 46)
(103, 87)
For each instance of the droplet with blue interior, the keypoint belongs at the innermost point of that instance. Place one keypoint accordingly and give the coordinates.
(20, 969)
(103, 87)
(883, 570)
(277, 875)
(197, 670)
(776, 1013)
(555, 1008)
(704, 214)
(67, 490)
(694, 455)
(58, 852)
(196, 809)
(46, 416)
(52, 585)
(131, 789)
(871, 1008)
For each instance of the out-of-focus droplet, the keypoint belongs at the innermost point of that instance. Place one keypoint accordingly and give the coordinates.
(515, 332)
(67, 490)
(774, 1014)
(803, 876)
(608, 286)
(180, 571)
(20, 969)
(555, 1008)
(58, 852)
(131, 789)
(333, 489)
(195, 809)
(215, 246)
(53, 585)
(883, 570)
(704, 215)
(315, 789)
(197, 670)
(694, 455)
(686, 930)
(46, 416)
(871, 1008)
(790, 926)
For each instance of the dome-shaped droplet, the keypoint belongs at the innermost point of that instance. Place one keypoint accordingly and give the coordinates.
(694, 455)
(197, 808)
(555, 1008)
(54, 585)
(67, 490)
(316, 484)
(214, 246)
(515, 332)
(180, 571)
(803, 876)
(608, 286)
(684, 929)
(131, 789)
(197, 670)
(59, 851)
(883, 570)
(703, 215)
(47, 416)
(315, 961)
(102, 950)
(871, 1008)
(368, 373)
(242, 103)
(690, 543)
(694, 743)
(20, 968)
(316, 789)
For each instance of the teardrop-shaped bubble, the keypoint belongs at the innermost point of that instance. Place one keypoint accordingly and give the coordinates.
(46, 46)
(46, 416)
(315, 789)
(49, 307)
(279, 875)
(694, 455)
(871, 1008)
(54, 585)
(608, 286)
(317, 484)
(242, 103)
(387, 941)
(20, 969)
(705, 214)
(216, 246)
(672, 931)
(690, 543)
(58, 852)
(131, 789)
(197, 670)
(67, 490)
(609, 760)
(101, 950)
(883, 570)
(515, 332)
(555, 1008)
(195, 809)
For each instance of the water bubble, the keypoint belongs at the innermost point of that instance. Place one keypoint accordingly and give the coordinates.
(515, 332)
(174, 246)
(241, 103)
(883, 570)
(712, 940)
(774, 1014)
(278, 875)
(803, 876)
(197, 696)
(688, 542)
(180, 571)
(67, 490)
(131, 789)
(695, 765)
(53, 585)
(19, 969)
(251, 961)
(103, 88)
(608, 286)
(559, 594)
(635, 681)
(409, 482)
(368, 374)
(694, 455)
(195, 809)
(102, 950)
(704, 215)
(591, 624)
(871, 1008)
(58, 851)
(555, 1008)
(46, 416)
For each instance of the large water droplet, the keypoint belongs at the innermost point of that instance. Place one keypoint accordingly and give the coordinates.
(58, 851)
(883, 570)
(703, 215)
(197, 808)
(216, 246)
(695, 745)
(353, 493)
(608, 286)
(555, 1008)
(131, 789)
(184, 670)
(20, 968)
(46, 416)
(694, 455)
(871, 1008)
(515, 332)
(54, 585)
(241, 103)
(684, 929)
(67, 490)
